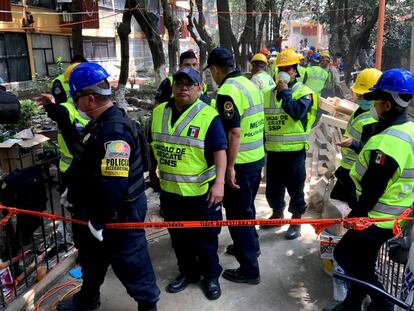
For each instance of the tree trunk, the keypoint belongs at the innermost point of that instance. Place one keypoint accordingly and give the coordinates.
(124, 29)
(277, 20)
(173, 27)
(357, 41)
(201, 26)
(77, 41)
(225, 30)
(148, 22)
(247, 38)
(264, 19)
(202, 45)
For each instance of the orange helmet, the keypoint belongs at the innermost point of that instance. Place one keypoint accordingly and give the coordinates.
(265, 51)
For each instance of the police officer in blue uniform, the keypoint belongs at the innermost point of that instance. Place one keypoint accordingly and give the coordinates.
(106, 185)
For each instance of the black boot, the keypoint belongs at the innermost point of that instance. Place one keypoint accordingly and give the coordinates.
(79, 302)
(293, 230)
(277, 214)
(180, 283)
(144, 306)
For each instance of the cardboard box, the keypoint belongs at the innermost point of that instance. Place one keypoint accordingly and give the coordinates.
(18, 153)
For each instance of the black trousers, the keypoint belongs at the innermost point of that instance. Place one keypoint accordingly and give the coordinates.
(286, 170)
(357, 254)
(239, 204)
(126, 251)
(344, 188)
(195, 249)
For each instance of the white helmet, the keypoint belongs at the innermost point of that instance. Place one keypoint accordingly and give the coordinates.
(275, 53)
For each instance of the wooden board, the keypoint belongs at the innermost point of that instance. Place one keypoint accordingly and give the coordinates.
(333, 121)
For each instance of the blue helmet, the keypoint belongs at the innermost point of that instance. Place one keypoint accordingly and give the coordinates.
(396, 80)
(316, 57)
(87, 76)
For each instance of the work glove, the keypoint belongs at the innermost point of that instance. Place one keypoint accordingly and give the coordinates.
(96, 233)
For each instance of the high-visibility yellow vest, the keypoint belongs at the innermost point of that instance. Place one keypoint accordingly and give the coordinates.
(265, 83)
(249, 102)
(396, 142)
(316, 77)
(282, 132)
(354, 130)
(65, 155)
(302, 71)
(171, 79)
(179, 150)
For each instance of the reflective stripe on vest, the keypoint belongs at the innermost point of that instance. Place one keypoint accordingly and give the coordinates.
(354, 130)
(65, 155)
(179, 149)
(201, 179)
(397, 143)
(249, 101)
(282, 132)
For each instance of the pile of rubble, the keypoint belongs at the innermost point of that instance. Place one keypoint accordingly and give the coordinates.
(323, 158)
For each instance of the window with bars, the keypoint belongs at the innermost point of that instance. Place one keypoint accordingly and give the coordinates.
(99, 48)
(14, 57)
(46, 50)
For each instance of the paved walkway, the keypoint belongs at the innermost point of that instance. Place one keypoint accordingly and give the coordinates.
(291, 277)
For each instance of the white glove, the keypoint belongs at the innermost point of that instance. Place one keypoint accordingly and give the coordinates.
(64, 200)
(96, 233)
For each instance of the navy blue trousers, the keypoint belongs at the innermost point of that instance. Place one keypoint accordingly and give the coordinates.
(286, 171)
(126, 251)
(239, 204)
(195, 249)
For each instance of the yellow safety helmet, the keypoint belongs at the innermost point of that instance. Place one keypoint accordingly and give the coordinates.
(259, 57)
(366, 80)
(300, 56)
(325, 54)
(287, 58)
(68, 71)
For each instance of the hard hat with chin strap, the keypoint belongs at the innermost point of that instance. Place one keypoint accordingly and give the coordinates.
(395, 82)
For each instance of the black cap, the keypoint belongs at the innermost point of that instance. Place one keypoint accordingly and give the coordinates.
(190, 73)
(221, 57)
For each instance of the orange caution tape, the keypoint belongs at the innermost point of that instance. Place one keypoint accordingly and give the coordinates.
(319, 225)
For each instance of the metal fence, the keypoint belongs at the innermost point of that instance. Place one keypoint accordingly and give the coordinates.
(390, 272)
(31, 246)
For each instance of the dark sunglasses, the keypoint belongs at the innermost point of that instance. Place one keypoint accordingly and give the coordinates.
(79, 95)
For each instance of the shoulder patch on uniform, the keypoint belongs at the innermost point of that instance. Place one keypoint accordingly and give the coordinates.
(228, 109)
(116, 160)
(380, 158)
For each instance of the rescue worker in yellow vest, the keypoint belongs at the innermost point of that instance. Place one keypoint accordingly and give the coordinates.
(65, 115)
(164, 92)
(355, 136)
(315, 76)
(189, 147)
(332, 84)
(288, 120)
(239, 104)
(260, 77)
(384, 179)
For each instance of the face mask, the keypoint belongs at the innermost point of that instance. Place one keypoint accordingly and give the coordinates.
(283, 76)
(374, 113)
(364, 104)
